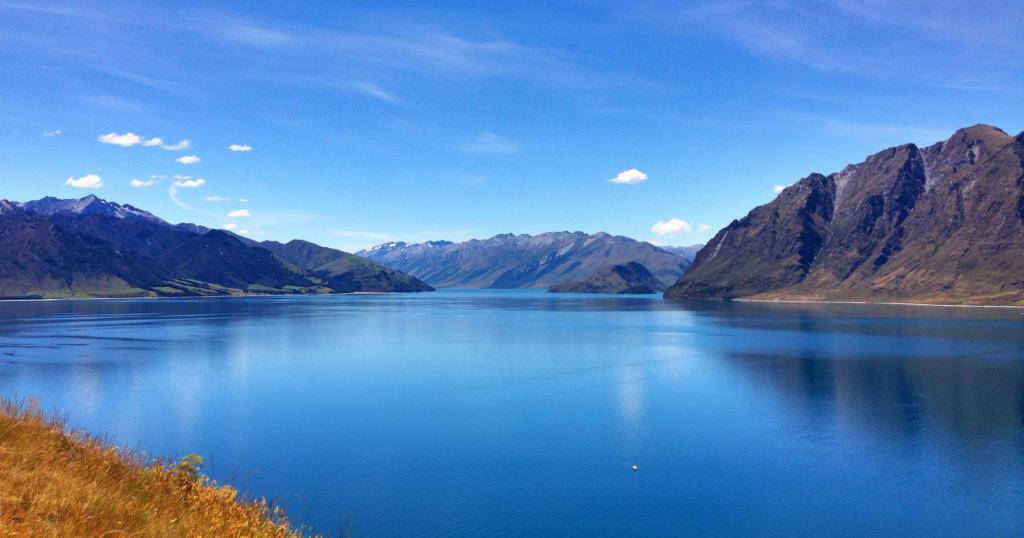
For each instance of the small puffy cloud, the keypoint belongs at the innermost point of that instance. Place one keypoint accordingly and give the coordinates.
(55, 132)
(240, 147)
(238, 213)
(230, 226)
(125, 140)
(88, 181)
(182, 144)
(778, 188)
(188, 159)
(156, 141)
(243, 200)
(138, 183)
(629, 177)
(489, 144)
(671, 227)
(703, 228)
(216, 198)
(190, 183)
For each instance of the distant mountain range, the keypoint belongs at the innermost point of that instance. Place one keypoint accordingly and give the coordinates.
(93, 248)
(941, 224)
(525, 261)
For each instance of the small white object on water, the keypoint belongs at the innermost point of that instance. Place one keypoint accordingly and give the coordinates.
(636, 467)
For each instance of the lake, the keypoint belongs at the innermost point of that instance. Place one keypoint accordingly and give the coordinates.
(521, 413)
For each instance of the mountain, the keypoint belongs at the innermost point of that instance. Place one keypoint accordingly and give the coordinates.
(94, 248)
(941, 224)
(523, 261)
(41, 259)
(631, 277)
(343, 271)
(688, 252)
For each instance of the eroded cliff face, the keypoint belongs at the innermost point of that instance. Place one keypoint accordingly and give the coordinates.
(943, 224)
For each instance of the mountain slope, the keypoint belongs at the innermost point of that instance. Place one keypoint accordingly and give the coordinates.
(41, 259)
(630, 277)
(344, 272)
(93, 248)
(523, 261)
(943, 224)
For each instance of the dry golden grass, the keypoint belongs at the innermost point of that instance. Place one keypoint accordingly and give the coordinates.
(56, 483)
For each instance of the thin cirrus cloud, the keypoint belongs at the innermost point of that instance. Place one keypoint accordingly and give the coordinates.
(129, 139)
(216, 198)
(190, 183)
(239, 213)
(49, 134)
(188, 159)
(631, 176)
(88, 181)
(240, 147)
(140, 183)
(489, 144)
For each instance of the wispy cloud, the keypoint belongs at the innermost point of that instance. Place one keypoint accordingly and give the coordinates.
(919, 41)
(142, 183)
(216, 198)
(188, 159)
(55, 132)
(631, 176)
(240, 147)
(489, 144)
(88, 181)
(190, 183)
(239, 213)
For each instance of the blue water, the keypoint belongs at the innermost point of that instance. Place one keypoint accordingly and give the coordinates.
(516, 413)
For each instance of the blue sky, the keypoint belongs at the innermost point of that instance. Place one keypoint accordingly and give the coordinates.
(378, 121)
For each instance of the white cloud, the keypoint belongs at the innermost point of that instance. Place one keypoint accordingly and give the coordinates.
(489, 144)
(126, 140)
(243, 232)
(238, 213)
(243, 200)
(140, 183)
(216, 198)
(188, 159)
(129, 139)
(181, 176)
(629, 177)
(190, 183)
(55, 132)
(778, 188)
(182, 144)
(230, 226)
(703, 228)
(671, 227)
(240, 147)
(88, 181)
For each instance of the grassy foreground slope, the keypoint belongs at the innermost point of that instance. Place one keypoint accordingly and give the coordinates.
(55, 483)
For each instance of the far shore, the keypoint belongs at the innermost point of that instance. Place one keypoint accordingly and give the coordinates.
(889, 303)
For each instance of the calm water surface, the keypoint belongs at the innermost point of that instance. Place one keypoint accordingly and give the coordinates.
(520, 413)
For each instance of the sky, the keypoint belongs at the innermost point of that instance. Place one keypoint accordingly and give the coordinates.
(356, 123)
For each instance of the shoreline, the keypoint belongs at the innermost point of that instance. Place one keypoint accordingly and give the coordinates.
(888, 303)
(240, 296)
